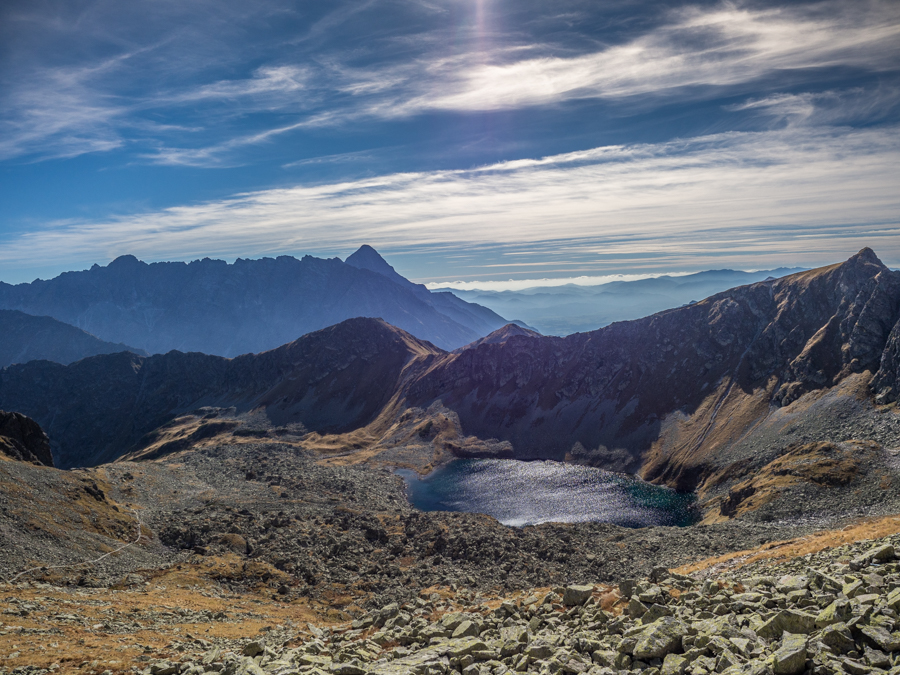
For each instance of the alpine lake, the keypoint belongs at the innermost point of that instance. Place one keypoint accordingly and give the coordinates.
(520, 493)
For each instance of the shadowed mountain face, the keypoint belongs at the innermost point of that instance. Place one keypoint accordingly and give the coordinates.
(676, 396)
(250, 306)
(333, 380)
(26, 338)
(673, 387)
(21, 438)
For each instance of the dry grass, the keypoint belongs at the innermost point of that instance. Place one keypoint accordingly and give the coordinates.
(99, 645)
(870, 528)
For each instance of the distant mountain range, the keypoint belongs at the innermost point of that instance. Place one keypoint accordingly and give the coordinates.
(562, 310)
(683, 397)
(250, 306)
(26, 338)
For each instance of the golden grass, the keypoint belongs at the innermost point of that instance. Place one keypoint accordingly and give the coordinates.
(192, 587)
(870, 528)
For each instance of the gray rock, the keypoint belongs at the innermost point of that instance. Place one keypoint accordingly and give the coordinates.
(660, 638)
(880, 638)
(673, 664)
(577, 595)
(164, 668)
(883, 553)
(837, 612)
(347, 669)
(466, 629)
(253, 648)
(838, 638)
(790, 658)
(787, 621)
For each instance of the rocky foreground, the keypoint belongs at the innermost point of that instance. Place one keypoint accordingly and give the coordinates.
(835, 611)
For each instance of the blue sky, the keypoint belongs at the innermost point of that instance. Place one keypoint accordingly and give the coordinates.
(464, 139)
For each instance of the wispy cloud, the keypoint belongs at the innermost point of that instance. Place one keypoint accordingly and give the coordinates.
(196, 112)
(59, 116)
(775, 197)
(826, 108)
(724, 47)
(268, 87)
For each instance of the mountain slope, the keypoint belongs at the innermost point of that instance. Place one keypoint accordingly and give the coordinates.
(26, 338)
(697, 397)
(249, 306)
(333, 380)
(675, 393)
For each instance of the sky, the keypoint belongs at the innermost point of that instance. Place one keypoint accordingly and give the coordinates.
(465, 140)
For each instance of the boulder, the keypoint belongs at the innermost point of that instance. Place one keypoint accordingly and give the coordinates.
(787, 621)
(838, 638)
(790, 658)
(577, 595)
(880, 638)
(660, 638)
(673, 664)
(837, 612)
(884, 553)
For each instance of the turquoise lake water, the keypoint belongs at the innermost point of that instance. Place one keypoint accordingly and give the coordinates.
(521, 493)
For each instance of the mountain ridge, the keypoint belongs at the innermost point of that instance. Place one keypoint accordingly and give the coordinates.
(572, 308)
(24, 338)
(693, 397)
(122, 397)
(248, 306)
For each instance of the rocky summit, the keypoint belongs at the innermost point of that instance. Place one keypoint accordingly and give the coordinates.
(21, 438)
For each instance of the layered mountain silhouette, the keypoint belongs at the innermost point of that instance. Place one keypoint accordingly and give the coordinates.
(677, 396)
(562, 310)
(26, 338)
(249, 306)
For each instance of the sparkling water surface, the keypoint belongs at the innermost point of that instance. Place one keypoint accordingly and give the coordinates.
(528, 493)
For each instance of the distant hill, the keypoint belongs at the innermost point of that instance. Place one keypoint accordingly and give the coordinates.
(562, 310)
(26, 338)
(214, 307)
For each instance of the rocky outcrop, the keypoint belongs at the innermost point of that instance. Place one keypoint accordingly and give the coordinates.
(26, 338)
(886, 383)
(248, 306)
(23, 439)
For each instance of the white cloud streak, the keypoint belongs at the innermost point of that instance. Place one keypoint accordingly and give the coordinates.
(78, 110)
(773, 197)
(725, 47)
(526, 284)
